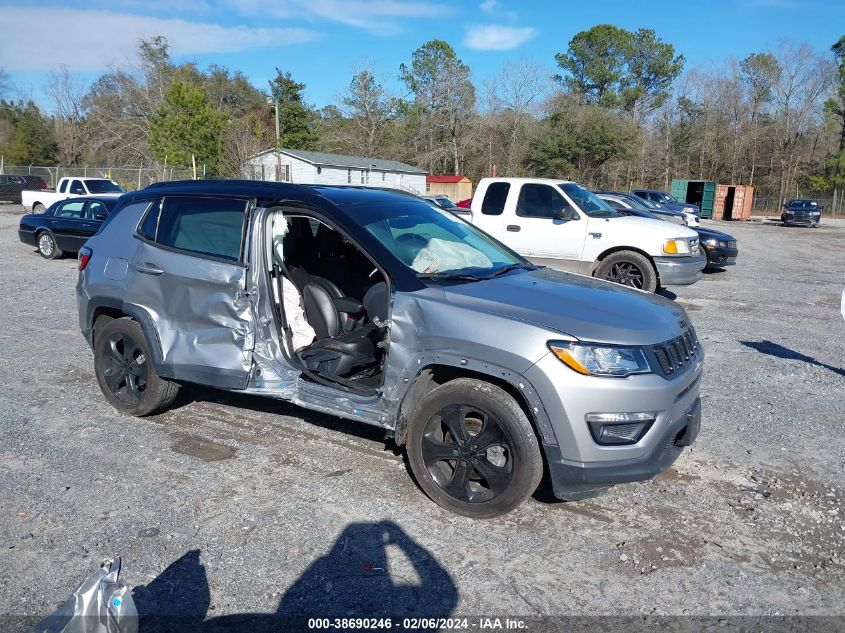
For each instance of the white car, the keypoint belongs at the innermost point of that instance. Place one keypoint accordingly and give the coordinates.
(37, 200)
(562, 225)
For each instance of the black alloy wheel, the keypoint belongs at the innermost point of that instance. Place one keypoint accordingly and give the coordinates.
(626, 274)
(125, 369)
(472, 449)
(467, 454)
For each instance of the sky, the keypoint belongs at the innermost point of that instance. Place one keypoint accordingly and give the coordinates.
(323, 42)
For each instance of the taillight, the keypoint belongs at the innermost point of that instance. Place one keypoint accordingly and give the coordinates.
(84, 257)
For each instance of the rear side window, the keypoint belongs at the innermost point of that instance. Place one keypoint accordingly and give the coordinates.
(63, 186)
(494, 198)
(209, 226)
(96, 208)
(71, 209)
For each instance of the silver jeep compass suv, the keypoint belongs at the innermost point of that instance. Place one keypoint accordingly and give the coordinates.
(376, 307)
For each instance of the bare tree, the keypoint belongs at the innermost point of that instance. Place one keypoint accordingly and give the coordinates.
(371, 110)
(66, 92)
(798, 96)
(514, 98)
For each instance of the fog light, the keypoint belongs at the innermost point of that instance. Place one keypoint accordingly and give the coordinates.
(619, 428)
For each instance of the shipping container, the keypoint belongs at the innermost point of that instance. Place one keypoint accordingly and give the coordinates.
(698, 192)
(733, 202)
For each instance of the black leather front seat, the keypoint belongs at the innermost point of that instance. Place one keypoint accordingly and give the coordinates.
(337, 351)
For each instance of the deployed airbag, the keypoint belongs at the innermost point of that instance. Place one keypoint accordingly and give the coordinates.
(442, 255)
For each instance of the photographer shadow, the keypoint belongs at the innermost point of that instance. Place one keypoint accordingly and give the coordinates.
(373, 570)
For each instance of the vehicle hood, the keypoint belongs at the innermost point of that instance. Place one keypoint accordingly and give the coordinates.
(626, 224)
(710, 234)
(677, 206)
(585, 308)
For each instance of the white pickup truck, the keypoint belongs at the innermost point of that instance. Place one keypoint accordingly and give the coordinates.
(37, 200)
(564, 226)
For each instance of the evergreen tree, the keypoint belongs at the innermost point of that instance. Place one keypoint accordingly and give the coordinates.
(187, 124)
(296, 118)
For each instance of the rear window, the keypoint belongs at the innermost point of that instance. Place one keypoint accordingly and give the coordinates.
(208, 226)
(103, 186)
(494, 198)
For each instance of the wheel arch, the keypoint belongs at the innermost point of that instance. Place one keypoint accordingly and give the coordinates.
(438, 373)
(107, 309)
(618, 249)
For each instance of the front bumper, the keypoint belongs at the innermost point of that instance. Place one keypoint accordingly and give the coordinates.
(680, 271)
(804, 220)
(572, 480)
(720, 257)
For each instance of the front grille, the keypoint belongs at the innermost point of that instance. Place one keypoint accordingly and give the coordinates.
(674, 355)
(732, 244)
(693, 245)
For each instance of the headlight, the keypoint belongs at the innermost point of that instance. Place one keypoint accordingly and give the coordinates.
(601, 360)
(676, 247)
(689, 210)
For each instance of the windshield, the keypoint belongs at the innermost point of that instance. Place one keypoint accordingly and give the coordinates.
(802, 204)
(103, 186)
(587, 201)
(435, 243)
(641, 203)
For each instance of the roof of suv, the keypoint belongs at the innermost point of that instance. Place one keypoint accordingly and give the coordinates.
(262, 189)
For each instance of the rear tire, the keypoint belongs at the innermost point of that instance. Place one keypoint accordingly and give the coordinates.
(473, 450)
(628, 268)
(38, 208)
(47, 247)
(125, 370)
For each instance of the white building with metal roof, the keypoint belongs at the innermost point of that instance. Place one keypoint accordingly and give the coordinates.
(305, 167)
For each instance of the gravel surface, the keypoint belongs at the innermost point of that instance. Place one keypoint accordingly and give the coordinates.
(229, 505)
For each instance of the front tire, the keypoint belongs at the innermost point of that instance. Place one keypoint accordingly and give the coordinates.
(628, 268)
(47, 247)
(125, 371)
(473, 450)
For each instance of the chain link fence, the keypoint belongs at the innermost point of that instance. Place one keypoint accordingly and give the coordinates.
(129, 178)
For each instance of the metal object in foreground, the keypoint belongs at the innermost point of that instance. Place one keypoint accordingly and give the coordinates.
(102, 604)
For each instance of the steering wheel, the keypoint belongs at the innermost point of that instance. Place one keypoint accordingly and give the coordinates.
(409, 244)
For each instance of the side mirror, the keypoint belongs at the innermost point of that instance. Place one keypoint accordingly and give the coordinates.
(566, 214)
(100, 217)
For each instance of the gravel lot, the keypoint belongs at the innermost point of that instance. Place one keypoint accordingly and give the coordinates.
(229, 505)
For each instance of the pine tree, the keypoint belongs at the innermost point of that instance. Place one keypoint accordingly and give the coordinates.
(187, 124)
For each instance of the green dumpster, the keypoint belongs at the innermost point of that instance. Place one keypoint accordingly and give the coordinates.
(700, 192)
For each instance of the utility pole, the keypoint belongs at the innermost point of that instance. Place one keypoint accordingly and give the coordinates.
(275, 104)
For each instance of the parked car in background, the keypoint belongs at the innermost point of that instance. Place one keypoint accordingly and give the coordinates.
(11, 186)
(65, 226)
(488, 369)
(38, 200)
(801, 211)
(664, 200)
(720, 248)
(444, 203)
(465, 204)
(564, 226)
(623, 201)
